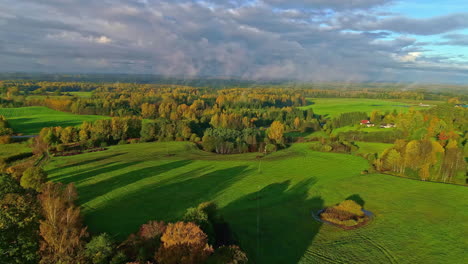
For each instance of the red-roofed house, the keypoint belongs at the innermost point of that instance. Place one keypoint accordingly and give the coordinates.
(366, 123)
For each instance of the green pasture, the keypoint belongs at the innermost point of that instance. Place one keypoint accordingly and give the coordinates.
(269, 201)
(65, 95)
(30, 120)
(371, 147)
(12, 149)
(360, 128)
(81, 94)
(333, 107)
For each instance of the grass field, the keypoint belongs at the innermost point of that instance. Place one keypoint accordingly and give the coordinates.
(12, 149)
(81, 94)
(360, 128)
(371, 147)
(335, 106)
(30, 120)
(269, 201)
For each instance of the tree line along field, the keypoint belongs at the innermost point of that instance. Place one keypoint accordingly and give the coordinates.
(269, 202)
(30, 120)
(332, 107)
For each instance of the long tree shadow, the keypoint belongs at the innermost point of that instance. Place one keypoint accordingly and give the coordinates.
(87, 174)
(100, 188)
(85, 162)
(166, 200)
(274, 224)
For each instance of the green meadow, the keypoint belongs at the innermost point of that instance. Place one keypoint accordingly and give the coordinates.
(335, 106)
(30, 120)
(269, 201)
(81, 94)
(12, 149)
(371, 147)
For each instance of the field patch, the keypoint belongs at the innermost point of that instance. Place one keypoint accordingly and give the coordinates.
(7, 150)
(372, 147)
(333, 107)
(269, 201)
(30, 120)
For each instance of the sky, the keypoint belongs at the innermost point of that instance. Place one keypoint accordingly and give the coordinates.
(305, 40)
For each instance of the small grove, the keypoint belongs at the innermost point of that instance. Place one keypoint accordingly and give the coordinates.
(120, 130)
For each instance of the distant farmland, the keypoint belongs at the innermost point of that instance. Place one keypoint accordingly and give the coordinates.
(30, 120)
(336, 106)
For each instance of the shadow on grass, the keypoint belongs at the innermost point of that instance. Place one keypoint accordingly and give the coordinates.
(88, 173)
(274, 224)
(164, 200)
(357, 198)
(85, 162)
(34, 125)
(100, 188)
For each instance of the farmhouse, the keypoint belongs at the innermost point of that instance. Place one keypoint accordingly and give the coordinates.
(367, 123)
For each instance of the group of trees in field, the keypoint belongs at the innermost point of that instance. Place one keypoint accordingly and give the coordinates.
(107, 131)
(433, 144)
(429, 159)
(5, 131)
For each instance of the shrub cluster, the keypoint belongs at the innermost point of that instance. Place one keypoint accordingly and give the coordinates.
(346, 214)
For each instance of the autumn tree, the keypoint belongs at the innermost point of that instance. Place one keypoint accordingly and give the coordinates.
(275, 132)
(61, 229)
(183, 243)
(143, 245)
(453, 161)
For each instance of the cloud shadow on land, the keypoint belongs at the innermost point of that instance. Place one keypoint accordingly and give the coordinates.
(274, 224)
(164, 200)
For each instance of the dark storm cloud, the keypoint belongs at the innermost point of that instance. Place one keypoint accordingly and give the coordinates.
(247, 39)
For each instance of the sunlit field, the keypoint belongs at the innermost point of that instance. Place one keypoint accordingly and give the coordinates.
(335, 106)
(269, 201)
(30, 120)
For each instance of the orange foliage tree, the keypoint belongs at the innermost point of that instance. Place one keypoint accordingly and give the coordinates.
(61, 230)
(183, 243)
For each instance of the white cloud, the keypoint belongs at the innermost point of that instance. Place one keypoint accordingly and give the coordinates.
(238, 38)
(102, 40)
(409, 57)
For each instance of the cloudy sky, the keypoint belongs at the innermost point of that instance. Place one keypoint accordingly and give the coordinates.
(307, 40)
